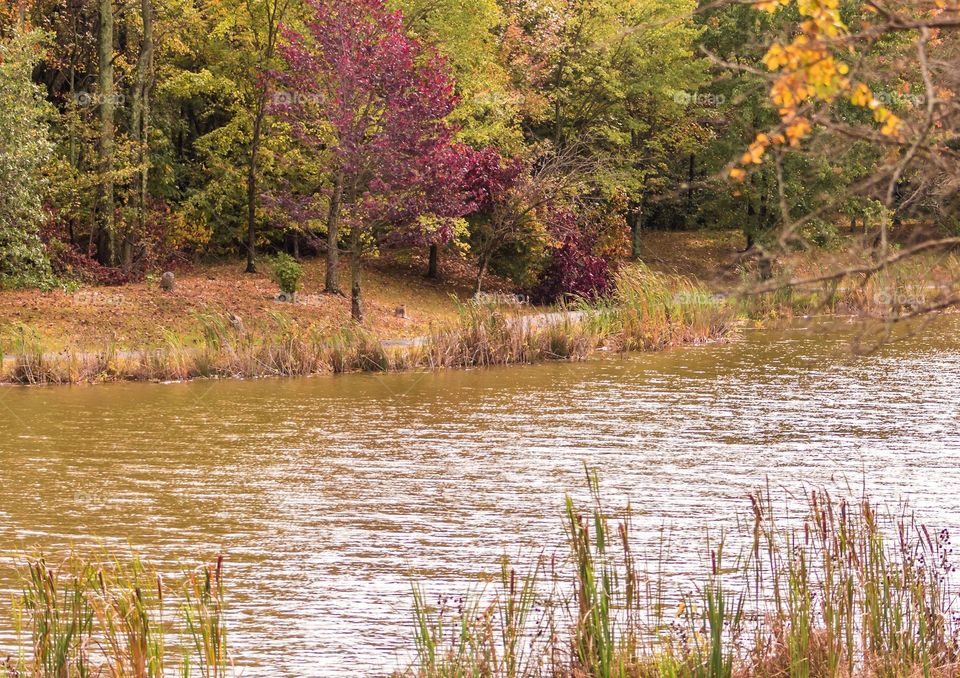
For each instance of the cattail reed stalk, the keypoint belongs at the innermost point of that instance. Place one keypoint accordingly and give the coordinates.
(846, 592)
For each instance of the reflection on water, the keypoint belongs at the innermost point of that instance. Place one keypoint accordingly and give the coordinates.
(329, 495)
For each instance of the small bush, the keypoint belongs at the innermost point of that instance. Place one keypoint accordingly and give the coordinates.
(820, 233)
(572, 272)
(286, 272)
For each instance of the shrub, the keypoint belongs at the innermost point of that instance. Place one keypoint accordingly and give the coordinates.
(820, 233)
(572, 271)
(70, 264)
(286, 272)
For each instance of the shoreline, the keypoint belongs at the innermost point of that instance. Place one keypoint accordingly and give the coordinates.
(219, 323)
(482, 337)
(648, 311)
(524, 339)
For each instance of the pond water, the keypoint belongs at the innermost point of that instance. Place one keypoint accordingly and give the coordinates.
(329, 496)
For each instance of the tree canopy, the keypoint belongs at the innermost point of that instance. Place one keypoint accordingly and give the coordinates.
(519, 134)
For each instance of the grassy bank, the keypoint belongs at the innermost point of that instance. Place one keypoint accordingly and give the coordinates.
(649, 311)
(842, 589)
(220, 323)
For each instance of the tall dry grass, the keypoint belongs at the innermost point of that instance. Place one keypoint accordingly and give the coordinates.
(651, 310)
(648, 311)
(888, 294)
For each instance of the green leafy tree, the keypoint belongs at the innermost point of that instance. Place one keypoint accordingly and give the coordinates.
(24, 150)
(606, 76)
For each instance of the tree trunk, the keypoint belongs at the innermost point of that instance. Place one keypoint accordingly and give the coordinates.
(763, 216)
(332, 283)
(106, 226)
(140, 126)
(634, 220)
(750, 226)
(481, 271)
(356, 303)
(252, 183)
(433, 266)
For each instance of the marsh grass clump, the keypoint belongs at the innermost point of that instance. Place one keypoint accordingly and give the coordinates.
(355, 349)
(651, 310)
(888, 294)
(487, 334)
(840, 589)
(483, 335)
(29, 361)
(104, 617)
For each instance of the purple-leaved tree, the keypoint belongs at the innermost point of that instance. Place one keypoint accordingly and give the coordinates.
(375, 101)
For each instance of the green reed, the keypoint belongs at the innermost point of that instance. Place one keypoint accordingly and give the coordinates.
(60, 617)
(102, 617)
(203, 611)
(128, 604)
(838, 589)
(462, 637)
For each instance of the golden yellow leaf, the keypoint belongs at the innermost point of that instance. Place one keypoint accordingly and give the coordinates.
(891, 126)
(861, 96)
(775, 57)
(796, 131)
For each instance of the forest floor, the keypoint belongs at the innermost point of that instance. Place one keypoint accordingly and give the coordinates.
(140, 315)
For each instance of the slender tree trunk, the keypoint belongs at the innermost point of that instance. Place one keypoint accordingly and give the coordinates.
(252, 182)
(750, 228)
(73, 91)
(482, 271)
(634, 220)
(105, 208)
(763, 216)
(356, 302)
(140, 126)
(691, 175)
(434, 264)
(332, 283)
